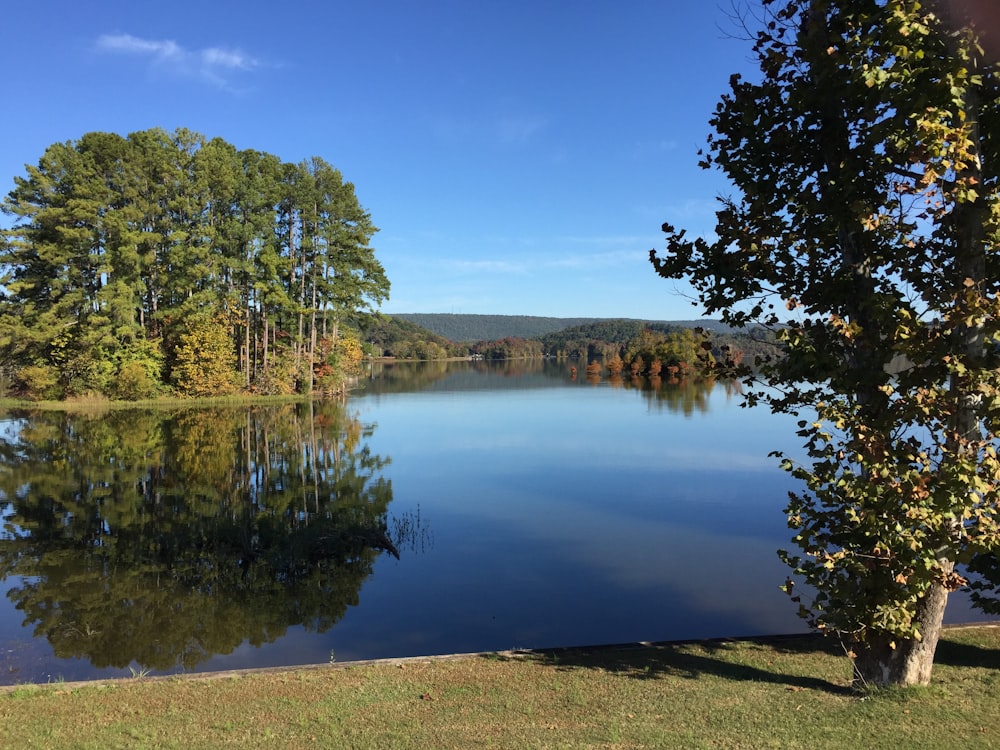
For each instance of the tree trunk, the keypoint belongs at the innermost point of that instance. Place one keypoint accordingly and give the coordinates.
(877, 664)
(300, 343)
(255, 337)
(247, 363)
(263, 364)
(312, 340)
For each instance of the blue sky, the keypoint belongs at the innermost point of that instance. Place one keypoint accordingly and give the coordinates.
(518, 156)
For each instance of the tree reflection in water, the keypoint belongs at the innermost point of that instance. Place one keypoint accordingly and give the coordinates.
(163, 538)
(685, 397)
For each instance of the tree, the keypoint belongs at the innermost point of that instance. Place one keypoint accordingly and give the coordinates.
(866, 170)
(52, 268)
(120, 245)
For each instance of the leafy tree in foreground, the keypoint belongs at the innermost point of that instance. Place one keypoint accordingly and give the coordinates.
(865, 164)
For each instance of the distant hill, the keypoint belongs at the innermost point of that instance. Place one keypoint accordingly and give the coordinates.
(461, 327)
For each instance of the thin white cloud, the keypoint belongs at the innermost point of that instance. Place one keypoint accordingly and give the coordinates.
(163, 50)
(490, 266)
(519, 129)
(231, 59)
(503, 130)
(678, 212)
(646, 149)
(530, 255)
(610, 259)
(536, 263)
(622, 240)
(212, 64)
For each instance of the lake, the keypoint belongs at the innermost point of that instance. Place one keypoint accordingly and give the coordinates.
(444, 507)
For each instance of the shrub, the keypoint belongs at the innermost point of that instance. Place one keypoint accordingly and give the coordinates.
(39, 382)
(133, 383)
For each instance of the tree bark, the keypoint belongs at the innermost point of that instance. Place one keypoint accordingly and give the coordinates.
(247, 318)
(312, 338)
(264, 363)
(880, 663)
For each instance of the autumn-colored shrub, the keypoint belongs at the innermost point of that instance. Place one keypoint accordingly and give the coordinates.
(349, 355)
(39, 382)
(133, 383)
(204, 362)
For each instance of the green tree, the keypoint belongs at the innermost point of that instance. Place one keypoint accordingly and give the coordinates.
(121, 245)
(865, 164)
(54, 269)
(249, 229)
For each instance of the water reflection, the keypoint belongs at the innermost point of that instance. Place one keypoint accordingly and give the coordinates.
(162, 538)
(564, 512)
(685, 396)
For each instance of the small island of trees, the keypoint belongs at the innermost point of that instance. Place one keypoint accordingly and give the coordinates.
(167, 263)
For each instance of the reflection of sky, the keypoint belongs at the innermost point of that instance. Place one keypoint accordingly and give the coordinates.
(565, 516)
(604, 425)
(584, 516)
(9, 427)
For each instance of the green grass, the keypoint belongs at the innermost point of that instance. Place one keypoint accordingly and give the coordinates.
(770, 693)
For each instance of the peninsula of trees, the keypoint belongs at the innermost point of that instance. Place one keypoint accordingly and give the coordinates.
(165, 262)
(636, 344)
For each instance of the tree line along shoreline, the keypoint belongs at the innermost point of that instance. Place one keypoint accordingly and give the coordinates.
(637, 344)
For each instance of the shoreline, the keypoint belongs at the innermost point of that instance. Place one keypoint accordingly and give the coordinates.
(519, 653)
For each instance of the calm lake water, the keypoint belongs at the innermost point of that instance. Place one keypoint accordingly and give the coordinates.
(444, 508)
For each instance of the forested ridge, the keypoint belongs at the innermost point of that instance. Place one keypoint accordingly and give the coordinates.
(468, 327)
(168, 262)
(672, 343)
(638, 345)
(391, 336)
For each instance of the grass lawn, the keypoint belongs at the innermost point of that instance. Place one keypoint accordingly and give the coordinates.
(771, 693)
